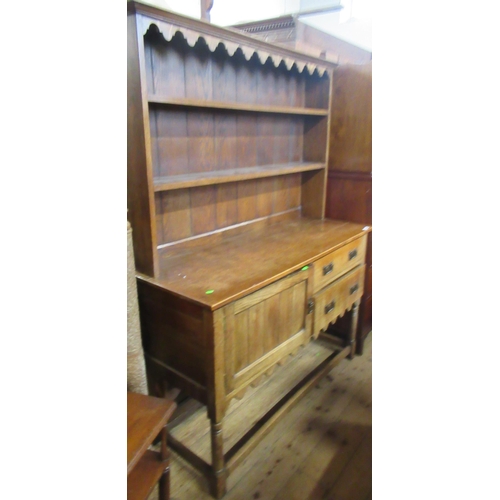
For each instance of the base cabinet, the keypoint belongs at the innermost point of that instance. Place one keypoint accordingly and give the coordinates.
(215, 355)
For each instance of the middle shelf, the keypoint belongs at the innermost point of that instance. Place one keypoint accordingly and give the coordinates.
(236, 106)
(232, 175)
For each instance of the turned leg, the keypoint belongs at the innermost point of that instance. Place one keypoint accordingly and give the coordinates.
(353, 328)
(165, 484)
(165, 457)
(218, 480)
(360, 339)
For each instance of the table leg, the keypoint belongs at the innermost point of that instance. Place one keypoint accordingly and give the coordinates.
(218, 480)
(353, 328)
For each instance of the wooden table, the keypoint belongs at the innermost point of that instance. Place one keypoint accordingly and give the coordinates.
(147, 417)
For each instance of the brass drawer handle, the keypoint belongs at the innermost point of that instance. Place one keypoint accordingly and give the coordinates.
(353, 253)
(329, 307)
(328, 269)
(353, 289)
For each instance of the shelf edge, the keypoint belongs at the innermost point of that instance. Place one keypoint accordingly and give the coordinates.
(234, 106)
(208, 180)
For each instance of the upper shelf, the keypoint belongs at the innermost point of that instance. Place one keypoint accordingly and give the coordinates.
(236, 106)
(233, 175)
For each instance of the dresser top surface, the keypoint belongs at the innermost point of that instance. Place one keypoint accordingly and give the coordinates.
(217, 273)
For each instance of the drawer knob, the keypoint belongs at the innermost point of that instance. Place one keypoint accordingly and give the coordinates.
(353, 253)
(329, 307)
(328, 269)
(353, 289)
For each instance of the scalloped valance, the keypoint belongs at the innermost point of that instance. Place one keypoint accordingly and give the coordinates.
(191, 36)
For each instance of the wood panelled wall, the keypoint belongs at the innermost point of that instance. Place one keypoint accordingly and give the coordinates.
(349, 188)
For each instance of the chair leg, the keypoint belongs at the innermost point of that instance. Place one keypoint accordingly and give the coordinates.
(164, 490)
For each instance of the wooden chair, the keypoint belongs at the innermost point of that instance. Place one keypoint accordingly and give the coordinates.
(147, 418)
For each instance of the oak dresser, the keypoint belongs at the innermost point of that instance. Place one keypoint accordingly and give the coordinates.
(227, 170)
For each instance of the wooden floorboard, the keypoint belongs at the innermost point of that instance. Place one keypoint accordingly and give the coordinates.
(321, 449)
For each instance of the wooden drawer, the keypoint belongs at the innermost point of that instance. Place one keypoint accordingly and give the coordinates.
(337, 263)
(332, 302)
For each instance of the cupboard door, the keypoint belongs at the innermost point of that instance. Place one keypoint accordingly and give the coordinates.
(263, 327)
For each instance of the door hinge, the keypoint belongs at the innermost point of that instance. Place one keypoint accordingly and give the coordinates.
(310, 306)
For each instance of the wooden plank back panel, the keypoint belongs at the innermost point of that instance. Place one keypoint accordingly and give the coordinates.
(247, 192)
(315, 137)
(313, 194)
(170, 141)
(225, 233)
(174, 215)
(266, 84)
(184, 213)
(296, 139)
(166, 75)
(280, 194)
(280, 135)
(281, 86)
(198, 141)
(246, 134)
(198, 71)
(227, 204)
(317, 91)
(296, 88)
(203, 209)
(246, 79)
(266, 138)
(226, 143)
(294, 183)
(201, 140)
(159, 214)
(224, 76)
(264, 198)
(211, 75)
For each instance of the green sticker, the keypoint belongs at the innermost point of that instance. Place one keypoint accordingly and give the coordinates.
(208, 292)
(305, 268)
